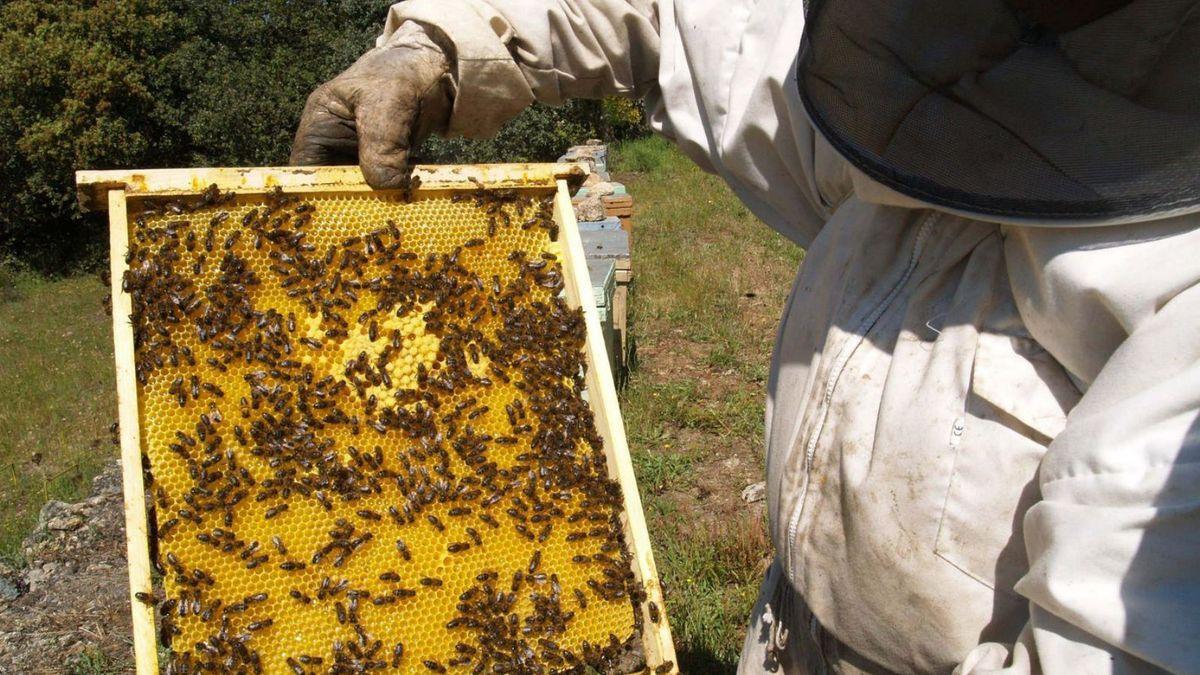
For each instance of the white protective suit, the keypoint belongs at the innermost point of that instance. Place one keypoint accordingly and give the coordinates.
(983, 450)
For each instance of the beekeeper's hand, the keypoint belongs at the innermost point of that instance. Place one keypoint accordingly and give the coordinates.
(379, 108)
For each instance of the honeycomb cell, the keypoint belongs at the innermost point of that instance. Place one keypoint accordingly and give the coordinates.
(368, 440)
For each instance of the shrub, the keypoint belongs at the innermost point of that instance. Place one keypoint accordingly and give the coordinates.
(97, 84)
(241, 72)
(75, 91)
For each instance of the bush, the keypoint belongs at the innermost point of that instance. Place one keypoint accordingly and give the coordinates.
(542, 133)
(75, 91)
(241, 71)
(99, 84)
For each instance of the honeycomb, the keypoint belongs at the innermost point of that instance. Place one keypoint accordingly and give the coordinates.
(366, 438)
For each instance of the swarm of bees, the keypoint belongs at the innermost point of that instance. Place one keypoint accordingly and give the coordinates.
(367, 442)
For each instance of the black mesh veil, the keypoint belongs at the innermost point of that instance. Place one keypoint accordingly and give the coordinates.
(962, 104)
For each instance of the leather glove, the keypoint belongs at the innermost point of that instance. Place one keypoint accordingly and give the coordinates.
(379, 108)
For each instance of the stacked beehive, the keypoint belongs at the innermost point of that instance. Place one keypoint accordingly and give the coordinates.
(605, 213)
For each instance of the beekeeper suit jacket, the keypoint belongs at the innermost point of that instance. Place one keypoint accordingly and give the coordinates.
(982, 448)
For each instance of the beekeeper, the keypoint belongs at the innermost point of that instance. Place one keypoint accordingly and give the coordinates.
(983, 450)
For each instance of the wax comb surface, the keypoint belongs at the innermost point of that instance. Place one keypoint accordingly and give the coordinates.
(364, 421)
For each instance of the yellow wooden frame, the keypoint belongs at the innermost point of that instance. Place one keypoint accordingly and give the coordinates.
(110, 190)
(93, 186)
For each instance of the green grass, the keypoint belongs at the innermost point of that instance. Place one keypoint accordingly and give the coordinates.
(710, 282)
(698, 250)
(657, 469)
(652, 406)
(94, 662)
(713, 574)
(56, 395)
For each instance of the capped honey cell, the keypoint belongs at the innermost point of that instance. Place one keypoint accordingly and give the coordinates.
(365, 423)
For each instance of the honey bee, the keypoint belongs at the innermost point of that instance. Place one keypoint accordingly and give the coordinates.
(474, 535)
(298, 420)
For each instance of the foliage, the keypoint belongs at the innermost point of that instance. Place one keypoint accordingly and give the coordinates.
(75, 91)
(622, 119)
(153, 83)
(540, 133)
(241, 71)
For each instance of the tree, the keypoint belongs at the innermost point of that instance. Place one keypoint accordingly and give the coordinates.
(151, 83)
(97, 84)
(76, 90)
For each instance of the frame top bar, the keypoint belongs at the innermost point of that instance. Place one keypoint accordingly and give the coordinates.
(93, 186)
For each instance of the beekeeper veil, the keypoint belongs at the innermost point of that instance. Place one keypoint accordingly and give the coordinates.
(979, 107)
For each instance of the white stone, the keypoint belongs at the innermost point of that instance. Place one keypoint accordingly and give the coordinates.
(755, 492)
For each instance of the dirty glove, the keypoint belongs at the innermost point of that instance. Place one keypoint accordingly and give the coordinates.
(379, 108)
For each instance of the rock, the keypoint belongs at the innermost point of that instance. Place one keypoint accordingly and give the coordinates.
(51, 510)
(36, 576)
(72, 597)
(755, 492)
(65, 523)
(601, 189)
(595, 155)
(9, 588)
(589, 209)
(108, 482)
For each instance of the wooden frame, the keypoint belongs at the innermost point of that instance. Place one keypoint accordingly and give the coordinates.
(610, 424)
(93, 186)
(145, 643)
(111, 189)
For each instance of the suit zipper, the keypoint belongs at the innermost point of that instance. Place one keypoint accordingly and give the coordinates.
(835, 373)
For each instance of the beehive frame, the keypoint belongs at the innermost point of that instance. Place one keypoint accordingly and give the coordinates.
(112, 190)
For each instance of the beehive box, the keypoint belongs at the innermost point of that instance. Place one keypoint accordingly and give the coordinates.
(376, 429)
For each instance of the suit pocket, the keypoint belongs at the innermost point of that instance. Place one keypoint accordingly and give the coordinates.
(1017, 404)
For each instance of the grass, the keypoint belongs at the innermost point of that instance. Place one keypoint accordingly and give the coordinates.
(56, 389)
(714, 573)
(710, 282)
(92, 661)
